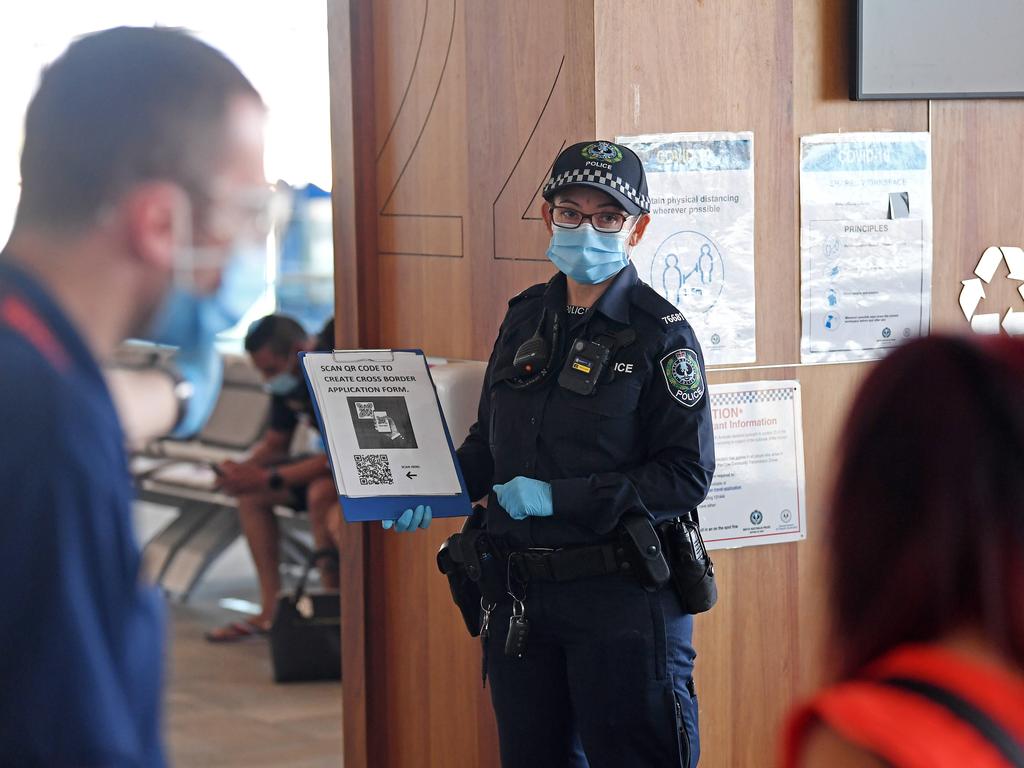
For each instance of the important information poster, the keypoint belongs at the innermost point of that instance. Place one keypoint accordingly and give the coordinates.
(757, 496)
(698, 251)
(865, 243)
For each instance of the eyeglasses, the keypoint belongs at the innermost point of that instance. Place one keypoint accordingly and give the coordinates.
(603, 221)
(250, 212)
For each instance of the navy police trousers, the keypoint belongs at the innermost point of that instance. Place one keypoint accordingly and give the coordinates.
(606, 680)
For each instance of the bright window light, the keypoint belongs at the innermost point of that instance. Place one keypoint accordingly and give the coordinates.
(281, 47)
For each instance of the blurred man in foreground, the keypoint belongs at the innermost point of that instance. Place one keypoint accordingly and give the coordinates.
(142, 191)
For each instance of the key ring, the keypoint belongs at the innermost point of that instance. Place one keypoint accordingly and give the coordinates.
(485, 618)
(508, 582)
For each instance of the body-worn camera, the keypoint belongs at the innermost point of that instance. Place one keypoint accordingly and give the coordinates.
(583, 368)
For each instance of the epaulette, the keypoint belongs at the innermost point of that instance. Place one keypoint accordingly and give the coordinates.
(532, 292)
(652, 303)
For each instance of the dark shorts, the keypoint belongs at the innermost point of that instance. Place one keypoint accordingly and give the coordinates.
(299, 500)
(299, 494)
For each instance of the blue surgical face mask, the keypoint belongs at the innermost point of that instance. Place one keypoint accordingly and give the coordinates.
(189, 316)
(589, 256)
(190, 320)
(282, 384)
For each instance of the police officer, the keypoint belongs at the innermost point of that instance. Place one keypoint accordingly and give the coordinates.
(594, 414)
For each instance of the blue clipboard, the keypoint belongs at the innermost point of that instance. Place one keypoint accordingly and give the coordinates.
(364, 509)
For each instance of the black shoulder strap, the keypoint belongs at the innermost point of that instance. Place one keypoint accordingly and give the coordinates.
(1011, 750)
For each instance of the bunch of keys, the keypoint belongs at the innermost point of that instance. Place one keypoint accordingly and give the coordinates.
(518, 630)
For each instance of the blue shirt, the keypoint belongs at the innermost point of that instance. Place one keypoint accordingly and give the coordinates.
(80, 638)
(641, 443)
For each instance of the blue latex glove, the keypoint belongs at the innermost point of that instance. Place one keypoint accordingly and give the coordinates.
(410, 520)
(523, 497)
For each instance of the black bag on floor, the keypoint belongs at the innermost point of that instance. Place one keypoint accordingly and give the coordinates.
(305, 638)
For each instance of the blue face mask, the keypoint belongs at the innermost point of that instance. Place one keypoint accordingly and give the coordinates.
(589, 256)
(191, 322)
(188, 319)
(282, 384)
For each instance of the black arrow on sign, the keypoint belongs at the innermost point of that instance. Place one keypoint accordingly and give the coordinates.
(410, 475)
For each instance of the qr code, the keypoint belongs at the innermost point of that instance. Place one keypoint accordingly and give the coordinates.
(364, 410)
(374, 469)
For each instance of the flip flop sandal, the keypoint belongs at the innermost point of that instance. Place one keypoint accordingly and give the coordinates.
(235, 631)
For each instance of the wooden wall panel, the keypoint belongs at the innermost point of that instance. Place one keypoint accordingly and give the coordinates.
(978, 159)
(667, 66)
(352, 93)
(823, 40)
(419, 75)
(756, 649)
(530, 92)
(464, 105)
(343, 146)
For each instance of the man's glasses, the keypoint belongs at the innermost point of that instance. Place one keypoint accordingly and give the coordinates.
(250, 213)
(603, 221)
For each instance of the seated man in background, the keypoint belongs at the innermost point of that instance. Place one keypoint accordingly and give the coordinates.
(271, 476)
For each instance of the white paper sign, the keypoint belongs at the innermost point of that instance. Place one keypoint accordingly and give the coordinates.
(865, 243)
(383, 424)
(757, 496)
(698, 251)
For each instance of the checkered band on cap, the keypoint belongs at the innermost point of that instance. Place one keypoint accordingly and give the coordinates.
(745, 398)
(606, 178)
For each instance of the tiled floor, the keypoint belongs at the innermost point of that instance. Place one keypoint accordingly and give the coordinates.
(222, 708)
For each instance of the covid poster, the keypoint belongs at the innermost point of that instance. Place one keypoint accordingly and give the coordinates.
(758, 493)
(865, 243)
(698, 251)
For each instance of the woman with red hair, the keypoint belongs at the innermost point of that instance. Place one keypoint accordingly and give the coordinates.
(926, 545)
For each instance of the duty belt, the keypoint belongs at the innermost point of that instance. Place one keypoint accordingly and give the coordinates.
(638, 551)
(569, 563)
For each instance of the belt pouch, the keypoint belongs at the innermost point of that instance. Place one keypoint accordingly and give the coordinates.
(693, 572)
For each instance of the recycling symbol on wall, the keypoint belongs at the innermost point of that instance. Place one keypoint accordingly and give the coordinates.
(973, 291)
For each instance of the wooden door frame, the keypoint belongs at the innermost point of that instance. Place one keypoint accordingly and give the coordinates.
(350, 53)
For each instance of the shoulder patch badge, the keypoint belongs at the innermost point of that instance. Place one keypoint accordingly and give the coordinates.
(683, 376)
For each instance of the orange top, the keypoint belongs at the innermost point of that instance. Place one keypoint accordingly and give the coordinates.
(905, 729)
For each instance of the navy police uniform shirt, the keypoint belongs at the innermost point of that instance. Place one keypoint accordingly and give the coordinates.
(641, 443)
(80, 637)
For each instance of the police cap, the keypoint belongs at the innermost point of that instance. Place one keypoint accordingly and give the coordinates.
(610, 167)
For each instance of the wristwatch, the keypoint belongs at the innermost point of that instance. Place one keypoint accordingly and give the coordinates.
(275, 481)
(182, 388)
